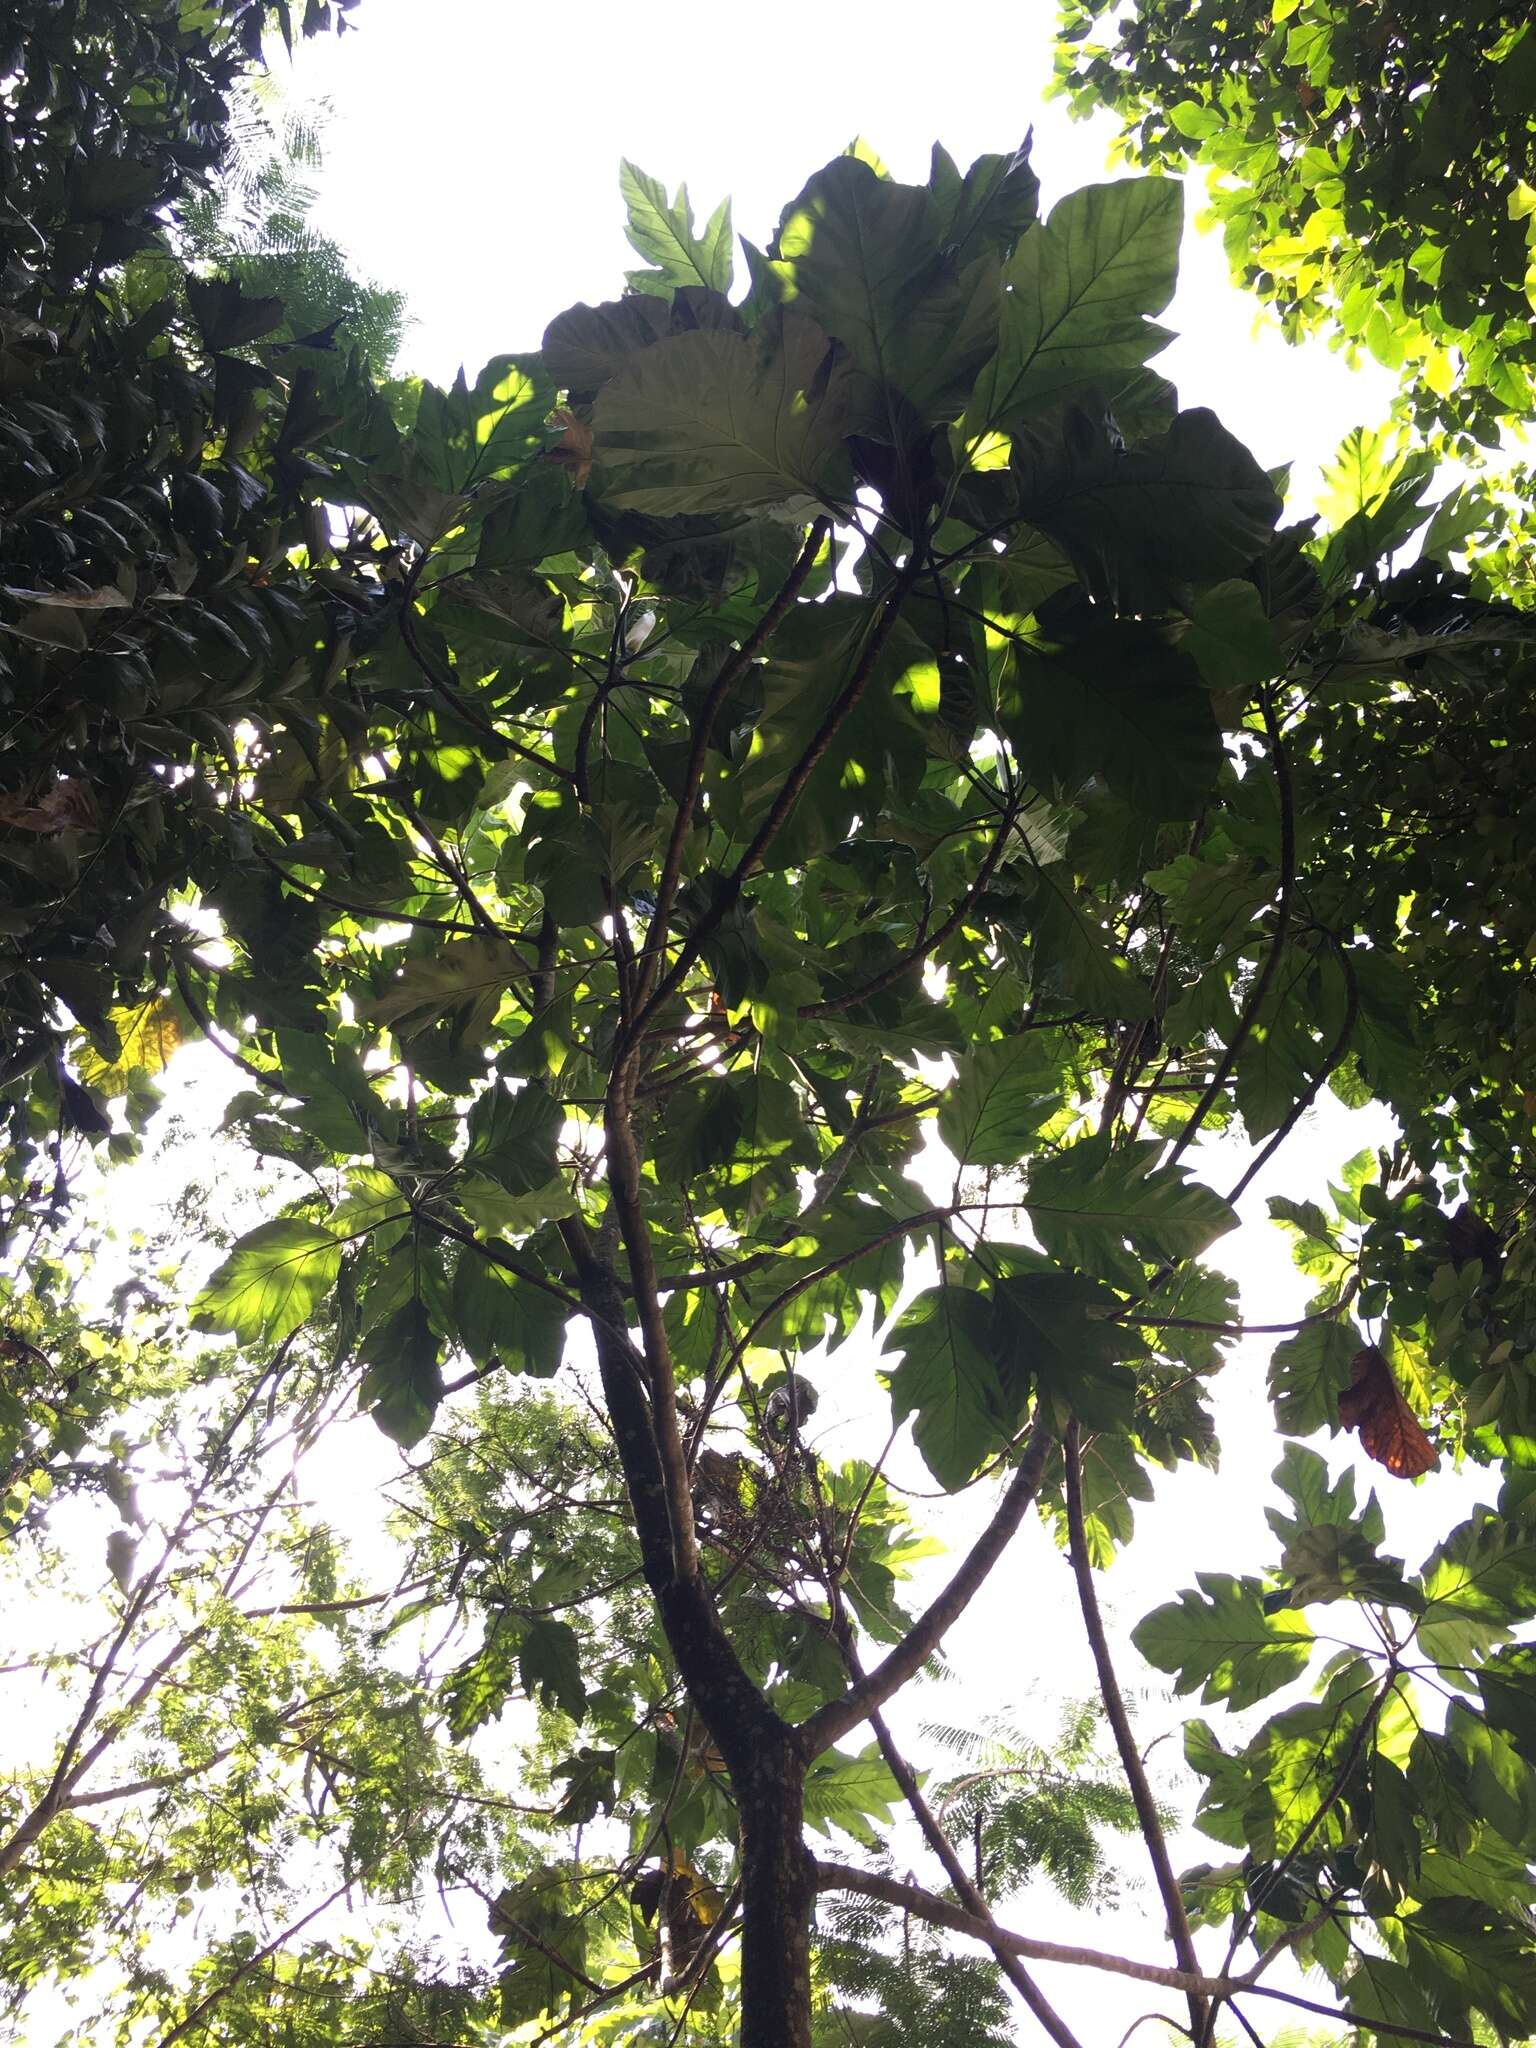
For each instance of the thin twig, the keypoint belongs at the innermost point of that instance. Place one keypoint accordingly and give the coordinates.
(1119, 1721)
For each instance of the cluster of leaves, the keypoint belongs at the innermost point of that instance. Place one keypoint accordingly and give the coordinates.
(227, 1734)
(848, 775)
(1385, 1825)
(1373, 170)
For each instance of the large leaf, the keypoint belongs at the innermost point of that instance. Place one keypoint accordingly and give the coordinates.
(1052, 1330)
(1309, 1371)
(1230, 637)
(463, 979)
(1079, 288)
(989, 208)
(147, 1034)
(858, 251)
(850, 1792)
(947, 1378)
(1479, 1585)
(1143, 524)
(499, 1316)
(586, 345)
(1121, 704)
(662, 232)
(1091, 1201)
(1073, 957)
(512, 1136)
(273, 1280)
(402, 1383)
(1002, 1094)
(835, 1262)
(549, 1664)
(711, 421)
(1222, 1640)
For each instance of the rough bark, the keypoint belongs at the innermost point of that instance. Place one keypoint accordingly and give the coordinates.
(765, 1757)
(778, 1891)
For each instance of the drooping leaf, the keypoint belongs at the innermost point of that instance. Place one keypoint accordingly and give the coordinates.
(500, 1316)
(948, 1380)
(147, 1036)
(403, 1382)
(1052, 1330)
(1141, 524)
(512, 1136)
(549, 1665)
(463, 979)
(850, 1792)
(1374, 1406)
(1233, 643)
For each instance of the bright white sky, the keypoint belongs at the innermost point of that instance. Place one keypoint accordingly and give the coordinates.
(473, 164)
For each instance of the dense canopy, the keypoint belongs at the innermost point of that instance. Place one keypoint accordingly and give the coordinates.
(768, 827)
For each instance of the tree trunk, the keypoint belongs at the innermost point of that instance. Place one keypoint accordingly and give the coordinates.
(778, 1890)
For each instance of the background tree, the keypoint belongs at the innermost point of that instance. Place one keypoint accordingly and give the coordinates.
(824, 799)
(254, 224)
(1373, 171)
(154, 481)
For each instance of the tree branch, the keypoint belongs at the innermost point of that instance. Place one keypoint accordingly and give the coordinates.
(1264, 980)
(729, 890)
(871, 1691)
(624, 1189)
(1395, 2028)
(912, 1898)
(693, 776)
(1008, 1962)
(1309, 1094)
(928, 942)
(1125, 1741)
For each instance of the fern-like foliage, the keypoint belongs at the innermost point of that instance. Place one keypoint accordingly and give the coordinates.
(1020, 1810)
(254, 223)
(886, 1982)
(1017, 1810)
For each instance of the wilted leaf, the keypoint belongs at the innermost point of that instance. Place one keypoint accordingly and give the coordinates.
(1373, 1405)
